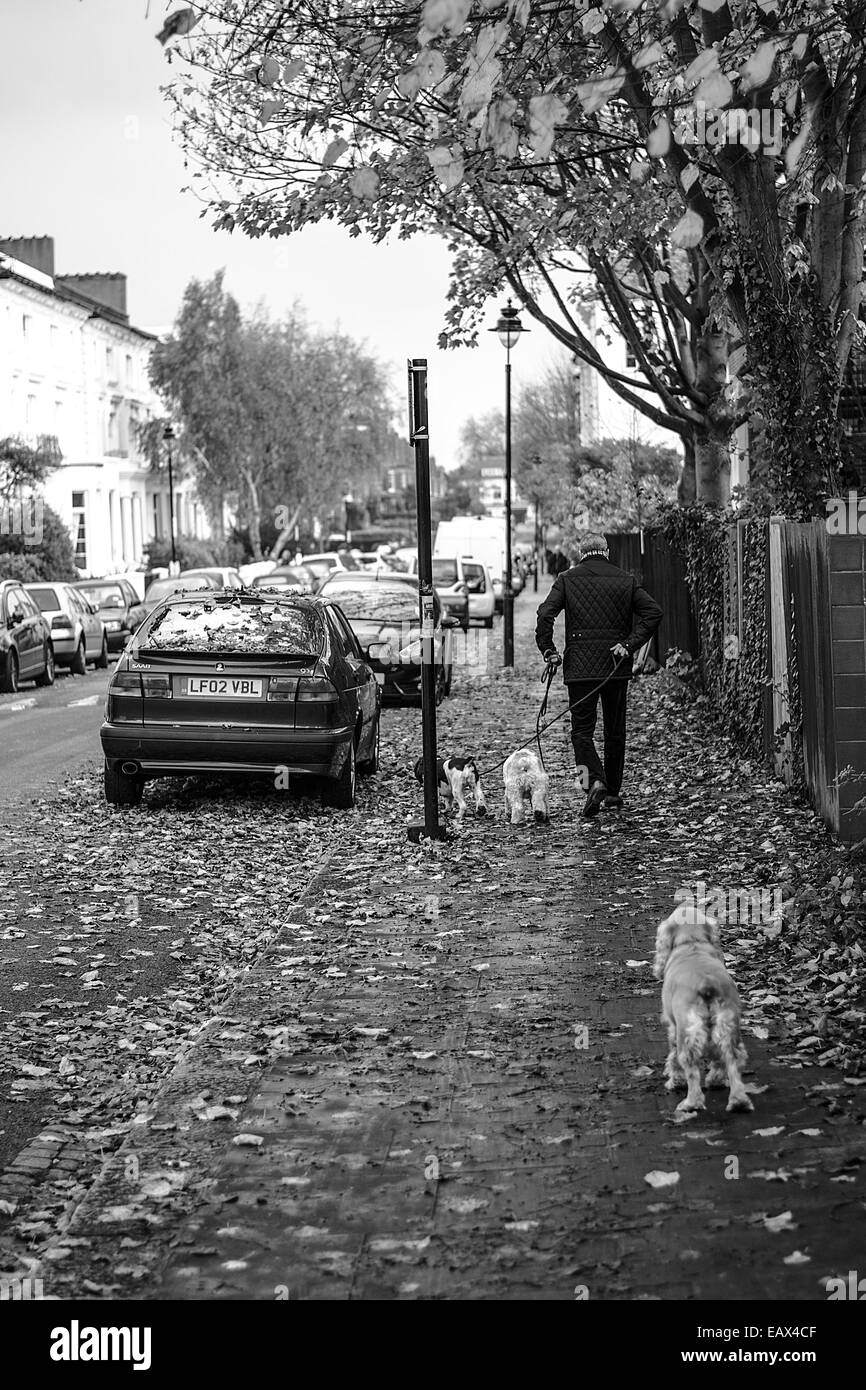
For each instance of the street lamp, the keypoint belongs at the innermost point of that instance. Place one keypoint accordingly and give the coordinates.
(169, 436)
(509, 329)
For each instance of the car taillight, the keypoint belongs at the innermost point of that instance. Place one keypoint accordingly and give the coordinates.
(61, 623)
(316, 690)
(125, 683)
(282, 688)
(157, 685)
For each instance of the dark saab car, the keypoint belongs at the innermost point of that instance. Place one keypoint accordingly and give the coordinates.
(26, 649)
(118, 606)
(383, 612)
(241, 682)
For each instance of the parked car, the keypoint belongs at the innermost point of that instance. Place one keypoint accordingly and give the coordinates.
(77, 632)
(251, 572)
(226, 576)
(26, 649)
(404, 558)
(241, 682)
(450, 583)
(287, 577)
(383, 613)
(162, 589)
(327, 560)
(482, 600)
(117, 605)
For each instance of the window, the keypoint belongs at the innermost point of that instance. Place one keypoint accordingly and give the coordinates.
(630, 360)
(109, 363)
(129, 368)
(79, 529)
(157, 528)
(26, 325)
(348, 636)
(113, 430)
(30, 415)
(26, 602)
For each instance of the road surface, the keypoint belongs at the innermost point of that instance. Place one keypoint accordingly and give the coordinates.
(45, 735)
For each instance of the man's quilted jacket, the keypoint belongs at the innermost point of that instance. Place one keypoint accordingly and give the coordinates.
(603, 605)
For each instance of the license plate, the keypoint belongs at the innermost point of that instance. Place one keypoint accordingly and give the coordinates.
(380, 676)
(222, 687)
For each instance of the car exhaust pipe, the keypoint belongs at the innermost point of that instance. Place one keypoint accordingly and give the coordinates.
(130, 769)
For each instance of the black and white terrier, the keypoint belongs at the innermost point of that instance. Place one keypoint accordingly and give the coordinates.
(457, 778)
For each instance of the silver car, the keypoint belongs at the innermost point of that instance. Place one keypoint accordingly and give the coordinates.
(77, 633)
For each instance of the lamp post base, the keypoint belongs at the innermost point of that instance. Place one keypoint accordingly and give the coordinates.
(417, 831)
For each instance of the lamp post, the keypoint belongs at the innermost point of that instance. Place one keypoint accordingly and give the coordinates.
(169, 436)
(509, 329)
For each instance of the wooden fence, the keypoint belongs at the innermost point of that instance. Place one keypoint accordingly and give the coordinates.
(810, 631)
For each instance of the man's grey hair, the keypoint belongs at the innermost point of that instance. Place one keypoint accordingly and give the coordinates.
(591, 544)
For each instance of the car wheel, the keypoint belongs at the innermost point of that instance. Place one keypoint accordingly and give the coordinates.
(78, 665)
(102, 659)
(371, 764)
(340, 791)
(120, 788)
(488, 622)
(47, 677)
(9, 678)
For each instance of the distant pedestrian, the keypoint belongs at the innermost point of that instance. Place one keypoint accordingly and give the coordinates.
(608, 618)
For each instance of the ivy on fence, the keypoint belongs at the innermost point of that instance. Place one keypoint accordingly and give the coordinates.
(725, 564)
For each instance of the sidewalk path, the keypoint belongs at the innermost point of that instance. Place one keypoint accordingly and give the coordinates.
(443, 1080)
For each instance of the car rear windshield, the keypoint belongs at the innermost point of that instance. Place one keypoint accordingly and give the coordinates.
(46, 598)
(378, 602)
(444, 571)
(277, 628)
(104, 595)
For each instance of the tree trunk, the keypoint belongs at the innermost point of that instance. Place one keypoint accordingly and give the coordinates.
(687, 487)
(712, 469)
(285, 534)
(254, 514)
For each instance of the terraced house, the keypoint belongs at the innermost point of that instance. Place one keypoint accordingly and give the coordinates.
(74, 368)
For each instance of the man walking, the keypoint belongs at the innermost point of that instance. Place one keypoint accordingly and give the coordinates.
(608, 618)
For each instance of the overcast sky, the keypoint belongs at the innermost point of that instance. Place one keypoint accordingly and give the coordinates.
(86, 155)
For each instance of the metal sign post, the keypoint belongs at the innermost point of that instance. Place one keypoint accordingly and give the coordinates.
(419, 438)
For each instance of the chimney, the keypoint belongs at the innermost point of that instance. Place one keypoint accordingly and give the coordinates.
(104, 287)
(35, 251)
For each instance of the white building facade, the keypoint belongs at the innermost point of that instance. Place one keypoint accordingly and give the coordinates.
(72, 367)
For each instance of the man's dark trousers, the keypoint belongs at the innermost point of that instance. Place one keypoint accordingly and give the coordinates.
(614, 701)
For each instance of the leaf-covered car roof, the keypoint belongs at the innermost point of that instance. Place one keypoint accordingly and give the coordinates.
(278, 627)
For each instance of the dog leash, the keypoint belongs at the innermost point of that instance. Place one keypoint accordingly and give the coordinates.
(543, 728)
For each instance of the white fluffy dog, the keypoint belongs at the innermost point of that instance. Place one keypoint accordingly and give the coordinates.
(525, 779)
(701, 1009)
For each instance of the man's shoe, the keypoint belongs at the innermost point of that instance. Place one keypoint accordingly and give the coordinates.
(597, 793)
(612, 803)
